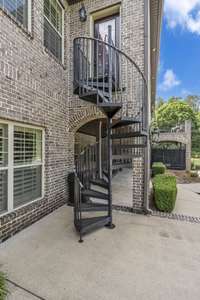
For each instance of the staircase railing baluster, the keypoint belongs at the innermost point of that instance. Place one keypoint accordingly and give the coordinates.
(103, 66)
(110, 62)
(92, 62)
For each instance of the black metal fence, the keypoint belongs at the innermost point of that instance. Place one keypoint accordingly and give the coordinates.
(172, 158)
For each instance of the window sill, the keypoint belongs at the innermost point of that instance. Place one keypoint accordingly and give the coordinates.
(54, 57)
(6, 213)
(24, 29)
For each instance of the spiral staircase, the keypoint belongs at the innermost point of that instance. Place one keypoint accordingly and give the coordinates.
(106, 77)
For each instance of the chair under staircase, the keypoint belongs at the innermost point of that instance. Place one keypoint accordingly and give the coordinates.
(105, 76)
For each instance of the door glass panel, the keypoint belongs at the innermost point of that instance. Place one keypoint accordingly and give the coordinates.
(106, 59)
(102, 30)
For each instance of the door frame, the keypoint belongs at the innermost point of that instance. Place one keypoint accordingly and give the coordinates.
(117, 26)
(106, 13)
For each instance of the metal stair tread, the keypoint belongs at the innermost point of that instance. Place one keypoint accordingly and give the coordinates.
(100, 182)
(109, 108)
(89, 97)
(95, 194)
(129, 134)
(88, 224)
(89, 207)
(125, 121)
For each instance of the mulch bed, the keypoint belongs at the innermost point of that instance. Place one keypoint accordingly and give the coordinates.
(184, 177)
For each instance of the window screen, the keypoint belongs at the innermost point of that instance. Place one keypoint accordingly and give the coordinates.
(18, 9)
(27, 151)
(21, 165)
(3, 166)
(27, 145)
(53, 27)
(27, 184)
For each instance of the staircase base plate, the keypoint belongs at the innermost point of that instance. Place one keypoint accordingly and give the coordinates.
(110, 226)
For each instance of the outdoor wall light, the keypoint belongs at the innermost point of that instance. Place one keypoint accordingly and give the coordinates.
(83, 14)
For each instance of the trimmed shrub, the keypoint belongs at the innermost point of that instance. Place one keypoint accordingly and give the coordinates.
(195, 154)
(158, 168)
(165, 192)
(193, 174)
(195, 164)
(3, 288)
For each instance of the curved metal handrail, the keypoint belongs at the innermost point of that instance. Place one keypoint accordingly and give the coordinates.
(116, 49)
(111, 76)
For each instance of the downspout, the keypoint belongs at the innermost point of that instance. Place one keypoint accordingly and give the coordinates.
(147, 71)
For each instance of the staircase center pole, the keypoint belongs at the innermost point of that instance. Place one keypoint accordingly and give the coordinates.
(110, 225)
(100, 148)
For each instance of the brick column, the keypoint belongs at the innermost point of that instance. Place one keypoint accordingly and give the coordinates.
(138, 183)
(188, 127)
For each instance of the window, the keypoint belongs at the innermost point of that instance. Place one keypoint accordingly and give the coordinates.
(19, 9)
(21, 165)
(3, 167)
(53, 28)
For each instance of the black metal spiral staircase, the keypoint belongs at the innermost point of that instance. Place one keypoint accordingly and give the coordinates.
(108, 78)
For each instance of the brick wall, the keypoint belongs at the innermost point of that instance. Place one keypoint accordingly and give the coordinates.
(34, 90)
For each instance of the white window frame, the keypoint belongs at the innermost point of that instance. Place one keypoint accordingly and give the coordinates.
(29, 16)
(60, 34)
(11, 167)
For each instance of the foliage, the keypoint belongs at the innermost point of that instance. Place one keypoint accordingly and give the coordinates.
(159, 102)
(194, 102)
(196, 154)
(193, 174)
(197, 125)
(198, 120)
(154, 125)
(195, 142)
(195, 164)
(158, 168)
(3, 288)
(165, 192)
(173, 113)
(174, 99)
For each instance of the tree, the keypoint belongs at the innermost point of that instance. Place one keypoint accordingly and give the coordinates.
(174, 99)
(198, 120)
(194, 102)
(159, 102)
(196, 137)
(174, 113)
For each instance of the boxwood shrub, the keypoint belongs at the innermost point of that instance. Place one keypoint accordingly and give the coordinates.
(3, 287)
(158, 168)
(193, 174)
(165, 192)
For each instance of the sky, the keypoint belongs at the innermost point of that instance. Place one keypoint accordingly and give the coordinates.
(179, 67)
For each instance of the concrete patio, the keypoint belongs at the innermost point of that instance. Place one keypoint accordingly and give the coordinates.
(122, 188)
(143, 258)
(188, 200)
